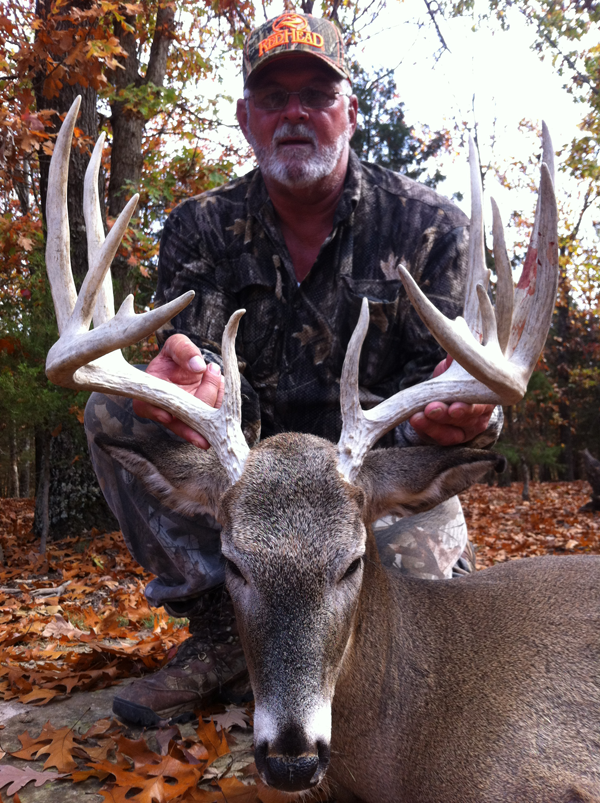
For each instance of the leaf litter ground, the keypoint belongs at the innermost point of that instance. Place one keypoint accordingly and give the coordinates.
(77, 620)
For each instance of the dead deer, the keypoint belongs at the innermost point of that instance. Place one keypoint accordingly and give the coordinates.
(485, 688)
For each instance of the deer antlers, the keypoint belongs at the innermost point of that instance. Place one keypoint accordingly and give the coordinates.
(494, 353)
(494, 356)
(92, 360)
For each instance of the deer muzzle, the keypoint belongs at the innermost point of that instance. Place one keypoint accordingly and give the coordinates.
(293, 755)
(292, 773)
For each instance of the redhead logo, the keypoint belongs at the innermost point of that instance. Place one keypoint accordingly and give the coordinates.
(290, 29)
(292, 21)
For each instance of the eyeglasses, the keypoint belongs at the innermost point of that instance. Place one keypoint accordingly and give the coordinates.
(310, 98)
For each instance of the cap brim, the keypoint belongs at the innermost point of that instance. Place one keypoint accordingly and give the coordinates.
(283, 54)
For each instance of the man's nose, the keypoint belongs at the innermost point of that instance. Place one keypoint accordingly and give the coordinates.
(294, 110)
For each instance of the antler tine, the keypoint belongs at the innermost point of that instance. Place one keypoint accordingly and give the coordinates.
(98, 273)
(105, 302)
(477, 273)
(539, 307)
(58, 242)
(354, 437)
(91, 360)
(525, 290)
(232, 396)
(505, 290)
(480, 373)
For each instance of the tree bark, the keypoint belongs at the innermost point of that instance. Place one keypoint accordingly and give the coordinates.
(25, 473)
(525, 471)
(128, 126)
(563, 356)
(41, 520)
(13, 478)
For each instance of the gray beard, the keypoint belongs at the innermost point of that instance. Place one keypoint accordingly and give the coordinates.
(296, 169)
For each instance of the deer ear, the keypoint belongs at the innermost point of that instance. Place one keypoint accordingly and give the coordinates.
(412, 480)
(182, 477)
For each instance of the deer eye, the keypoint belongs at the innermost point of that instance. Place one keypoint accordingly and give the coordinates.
(234, 569)
(353, 568)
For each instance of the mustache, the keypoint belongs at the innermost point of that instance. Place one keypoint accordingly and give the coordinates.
(286, 130)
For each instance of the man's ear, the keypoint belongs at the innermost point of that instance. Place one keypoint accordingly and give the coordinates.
(241, 112)
(415, 479)
(353, 113)
(182, 477)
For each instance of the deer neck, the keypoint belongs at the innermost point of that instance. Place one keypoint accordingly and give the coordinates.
(384, 677)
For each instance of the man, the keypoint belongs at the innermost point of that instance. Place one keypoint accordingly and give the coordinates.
(297, 243)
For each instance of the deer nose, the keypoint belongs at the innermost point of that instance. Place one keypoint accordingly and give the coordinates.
(292, 773)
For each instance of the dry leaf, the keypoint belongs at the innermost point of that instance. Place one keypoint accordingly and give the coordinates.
(60, 627)
(18, 778)
(234, 716)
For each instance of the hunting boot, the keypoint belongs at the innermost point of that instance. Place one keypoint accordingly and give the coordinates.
(209, 666)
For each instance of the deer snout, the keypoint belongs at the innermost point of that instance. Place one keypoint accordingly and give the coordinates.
(292, 773)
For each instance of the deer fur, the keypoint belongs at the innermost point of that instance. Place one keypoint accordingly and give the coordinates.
(485, 688)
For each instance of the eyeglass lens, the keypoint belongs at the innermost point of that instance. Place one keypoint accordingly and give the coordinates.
(310, 98)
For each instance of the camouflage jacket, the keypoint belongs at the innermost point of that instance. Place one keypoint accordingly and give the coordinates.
(226, 245)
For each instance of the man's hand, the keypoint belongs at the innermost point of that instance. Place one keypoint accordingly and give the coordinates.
(182, 363)
(449, 425)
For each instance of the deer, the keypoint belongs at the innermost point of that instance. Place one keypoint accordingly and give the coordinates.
(376, 686)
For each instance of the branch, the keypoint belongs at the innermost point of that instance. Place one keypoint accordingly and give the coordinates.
(431, 13)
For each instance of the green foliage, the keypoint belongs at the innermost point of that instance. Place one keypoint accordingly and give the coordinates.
(383, 135)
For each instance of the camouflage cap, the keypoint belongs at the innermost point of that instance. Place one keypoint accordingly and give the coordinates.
(293, 33)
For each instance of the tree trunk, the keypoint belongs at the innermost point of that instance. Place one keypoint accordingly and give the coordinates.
(563, 342)
(128, 126)
(25, 474)
(525, 471)
(13, 478)
(41, 520)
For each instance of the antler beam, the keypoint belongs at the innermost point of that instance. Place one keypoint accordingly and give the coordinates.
(494, 357)
(91, 360)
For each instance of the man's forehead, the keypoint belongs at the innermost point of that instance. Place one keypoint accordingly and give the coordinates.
(298, 67)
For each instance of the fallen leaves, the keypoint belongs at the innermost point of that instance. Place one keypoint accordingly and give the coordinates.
(504, 527)
(58, 745)
(180, 772)
(18, 778)
(76, 619)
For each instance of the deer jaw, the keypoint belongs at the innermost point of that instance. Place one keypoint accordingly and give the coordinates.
(294, 541)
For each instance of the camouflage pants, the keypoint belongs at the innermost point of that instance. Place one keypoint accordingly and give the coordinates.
(184, 552)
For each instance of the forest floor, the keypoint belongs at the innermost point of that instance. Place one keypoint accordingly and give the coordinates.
(75, 622)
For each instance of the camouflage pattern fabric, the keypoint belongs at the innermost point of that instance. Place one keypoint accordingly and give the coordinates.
(292, 32)
(227, 246)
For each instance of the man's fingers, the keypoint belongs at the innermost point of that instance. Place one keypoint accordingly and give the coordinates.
(184, 353)
(431, 431)
(210, 388)
(145, 410)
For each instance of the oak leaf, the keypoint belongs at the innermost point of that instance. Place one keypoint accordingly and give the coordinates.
(56, 744)
(215, 742)
(18, 778)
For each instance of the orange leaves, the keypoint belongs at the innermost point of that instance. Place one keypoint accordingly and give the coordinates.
(94, 631)
(504, 527)
(58, 745)
(131, 770)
